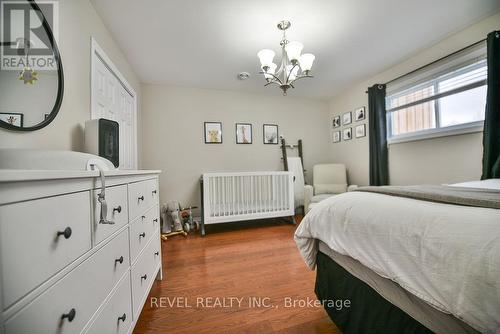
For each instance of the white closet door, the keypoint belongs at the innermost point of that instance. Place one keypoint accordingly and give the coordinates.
(129, 130)
(125, 118)
(100, 103)
(111, 96)
(111, 100)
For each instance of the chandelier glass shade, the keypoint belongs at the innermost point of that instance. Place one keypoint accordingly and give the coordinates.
(294, 65)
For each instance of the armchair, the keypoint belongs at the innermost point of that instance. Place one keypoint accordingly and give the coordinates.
(328, 180)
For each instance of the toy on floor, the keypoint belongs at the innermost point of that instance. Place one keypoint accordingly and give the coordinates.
(188, 222)
(172, 223)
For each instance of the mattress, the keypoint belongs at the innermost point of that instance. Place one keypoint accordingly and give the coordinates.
(418, 309)
(447, 255)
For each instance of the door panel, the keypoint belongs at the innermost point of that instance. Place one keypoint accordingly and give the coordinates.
(111, 100)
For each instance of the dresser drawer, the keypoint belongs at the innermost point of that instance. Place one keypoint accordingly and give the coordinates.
(81, 290)
(116, 316)
(152, 191)
(156, 249)
(141, 196)
(143, 272)
(137, 199)
(142, 229)
(116, 199)
(33, 244)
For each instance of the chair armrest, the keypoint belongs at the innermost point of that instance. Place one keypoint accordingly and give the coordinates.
(308, 194)
(352, 187)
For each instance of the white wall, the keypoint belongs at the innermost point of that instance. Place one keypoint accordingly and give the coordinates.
(439, 160)
(173, 134)
(78, 21)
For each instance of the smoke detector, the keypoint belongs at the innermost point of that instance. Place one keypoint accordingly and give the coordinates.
(243, 75)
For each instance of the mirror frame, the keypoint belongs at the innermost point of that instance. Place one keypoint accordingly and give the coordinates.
(60, 76)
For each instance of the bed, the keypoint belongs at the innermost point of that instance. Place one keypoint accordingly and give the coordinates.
(405, 264)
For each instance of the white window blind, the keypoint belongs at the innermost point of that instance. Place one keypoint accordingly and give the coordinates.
(449, 94)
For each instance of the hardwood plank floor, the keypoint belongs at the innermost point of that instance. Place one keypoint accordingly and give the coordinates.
(251, 261)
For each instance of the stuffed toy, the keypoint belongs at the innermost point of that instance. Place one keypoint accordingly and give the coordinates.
(172, 217)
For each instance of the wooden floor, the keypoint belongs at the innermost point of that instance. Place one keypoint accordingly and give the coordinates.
(255, 261)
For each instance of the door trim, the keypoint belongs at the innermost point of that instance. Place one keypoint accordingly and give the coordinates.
(97, 51)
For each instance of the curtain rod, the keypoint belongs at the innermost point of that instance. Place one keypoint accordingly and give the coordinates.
(435, 61)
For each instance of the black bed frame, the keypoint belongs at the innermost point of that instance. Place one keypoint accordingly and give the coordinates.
(367, 311)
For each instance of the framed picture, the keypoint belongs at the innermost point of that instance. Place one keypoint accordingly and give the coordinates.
(12, 118)
(336, 122)
(270, 134)
(359, 114)
(347, 134)
(243, 133)
(347, 118)
(360, 131)
(213, 132)
(336, 136)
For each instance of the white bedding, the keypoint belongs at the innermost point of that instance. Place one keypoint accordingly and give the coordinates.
(485, 184)
(447, 255)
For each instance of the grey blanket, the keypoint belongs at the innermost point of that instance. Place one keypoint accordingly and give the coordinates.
(483, 198)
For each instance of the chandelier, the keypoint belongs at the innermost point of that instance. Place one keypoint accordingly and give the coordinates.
(294, 66)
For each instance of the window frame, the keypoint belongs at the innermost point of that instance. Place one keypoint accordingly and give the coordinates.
(438, 131)
(452, 130)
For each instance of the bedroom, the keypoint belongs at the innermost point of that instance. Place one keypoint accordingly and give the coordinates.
(169, 186)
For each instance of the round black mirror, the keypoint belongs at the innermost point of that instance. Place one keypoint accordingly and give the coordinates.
(31, 72)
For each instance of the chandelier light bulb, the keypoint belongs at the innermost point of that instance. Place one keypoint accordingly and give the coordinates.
(266, 57)
(270, 70)
(306, 61)
(293, 50)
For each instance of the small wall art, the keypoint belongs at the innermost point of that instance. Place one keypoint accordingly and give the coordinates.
(270, 134)
(359, 114)
(347, 118)
(12, 118)
(336, 122)
(243, 133)
(336, 136)
(347, 134)
(213, 132)
(360, 131)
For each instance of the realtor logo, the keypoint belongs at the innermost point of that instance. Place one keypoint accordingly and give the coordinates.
(23, 38)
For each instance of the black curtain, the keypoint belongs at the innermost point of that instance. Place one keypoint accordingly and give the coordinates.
(491, 133)
(379, 162)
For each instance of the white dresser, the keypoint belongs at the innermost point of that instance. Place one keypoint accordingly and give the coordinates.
(63, 269)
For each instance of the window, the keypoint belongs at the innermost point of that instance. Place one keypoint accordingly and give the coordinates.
(446, 97)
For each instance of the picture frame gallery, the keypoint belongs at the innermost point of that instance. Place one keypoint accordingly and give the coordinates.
(243, 133)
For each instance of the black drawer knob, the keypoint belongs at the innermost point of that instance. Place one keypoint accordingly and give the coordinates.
(154, 192)
(67, 233)
(143, 217)
(70, 315)
(143, 234)
(157, 253)
(120, 259)
(155, 220)
(119, 209)
(122, 318)
(141, 198)
(144, 277)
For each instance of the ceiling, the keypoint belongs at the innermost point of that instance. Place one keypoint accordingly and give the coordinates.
(206, 43)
